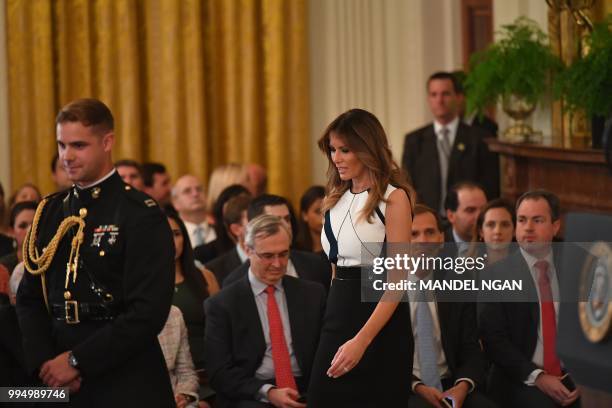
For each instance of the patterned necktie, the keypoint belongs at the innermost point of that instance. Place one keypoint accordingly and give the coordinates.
(198, 236)
(552, 365)
(426, 346)
(445, 149)
(445, 142)
(280, 352)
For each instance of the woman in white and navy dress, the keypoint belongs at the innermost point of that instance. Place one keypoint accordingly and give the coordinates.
(365, 353)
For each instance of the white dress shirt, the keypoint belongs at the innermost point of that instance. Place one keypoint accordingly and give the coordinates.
(208, 232)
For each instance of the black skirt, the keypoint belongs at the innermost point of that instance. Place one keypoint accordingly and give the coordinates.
(383, 377)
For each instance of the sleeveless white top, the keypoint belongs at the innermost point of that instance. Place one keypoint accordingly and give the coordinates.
(358, 240)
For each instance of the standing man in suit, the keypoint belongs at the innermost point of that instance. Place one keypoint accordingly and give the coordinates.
(235, 221)
(447, 151)
(448, 361)
(305, 265)
(262, 331)
(520, 337)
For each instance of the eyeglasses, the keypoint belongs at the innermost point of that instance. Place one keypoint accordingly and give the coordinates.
(270, 257)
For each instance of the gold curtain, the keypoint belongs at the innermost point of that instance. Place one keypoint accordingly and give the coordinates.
(192, 83)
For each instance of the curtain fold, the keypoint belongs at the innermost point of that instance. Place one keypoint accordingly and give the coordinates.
(192, 84)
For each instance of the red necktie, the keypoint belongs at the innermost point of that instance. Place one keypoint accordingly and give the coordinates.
(552, 365)
(280, 353)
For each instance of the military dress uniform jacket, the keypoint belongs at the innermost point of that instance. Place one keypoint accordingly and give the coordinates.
(127, 252)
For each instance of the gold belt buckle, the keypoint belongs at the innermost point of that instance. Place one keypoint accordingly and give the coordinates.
(72, 311)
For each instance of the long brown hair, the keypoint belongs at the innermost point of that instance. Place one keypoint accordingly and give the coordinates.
(365, 136)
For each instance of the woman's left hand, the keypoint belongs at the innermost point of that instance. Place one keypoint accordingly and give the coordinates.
(347, 357)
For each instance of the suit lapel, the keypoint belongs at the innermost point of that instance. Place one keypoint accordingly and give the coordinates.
(249, 311)
(534, 308)
(456, 152)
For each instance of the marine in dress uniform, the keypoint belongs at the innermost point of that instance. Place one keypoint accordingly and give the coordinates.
(98, 291)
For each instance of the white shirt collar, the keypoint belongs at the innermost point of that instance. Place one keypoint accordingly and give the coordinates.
(192, 226)
(457, 238)
(531, 260)
(95, 183)
(258, 286)
(452, 126)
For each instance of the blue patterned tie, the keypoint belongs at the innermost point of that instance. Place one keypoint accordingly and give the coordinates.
(426, 348)
(198, 236)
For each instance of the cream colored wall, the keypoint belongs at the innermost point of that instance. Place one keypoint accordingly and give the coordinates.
(377, 55)
(5, 170)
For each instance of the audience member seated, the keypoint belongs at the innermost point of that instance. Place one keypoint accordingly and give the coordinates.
(235, 221)
(156, 183)
(519, 338)
(474, 119)
(13, 371)
(494, 231)
(130, 173)
(27, 192)
(447, 151)
(463, 204)
(448, 361)
(22, 215)
(191, 287)
(301, 264)
(174, 345)
(224, 243)
(189, 201)
(257, 179)
(59, 175)
(262, 331)
(310, 222)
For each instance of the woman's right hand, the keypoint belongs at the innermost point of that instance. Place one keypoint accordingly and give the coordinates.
(347, 357)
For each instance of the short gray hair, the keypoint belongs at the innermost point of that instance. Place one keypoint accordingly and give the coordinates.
(263, 226)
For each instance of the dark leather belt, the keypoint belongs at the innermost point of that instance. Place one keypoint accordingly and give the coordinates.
(72, 311)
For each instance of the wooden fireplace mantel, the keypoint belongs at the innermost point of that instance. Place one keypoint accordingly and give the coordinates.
(580, 177)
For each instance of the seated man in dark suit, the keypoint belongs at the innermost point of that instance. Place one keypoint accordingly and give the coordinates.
(235, 221)
(447, 151)
(305, 265)
(520, 337)
(448, 361)
(462, 206)
(262, 331)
